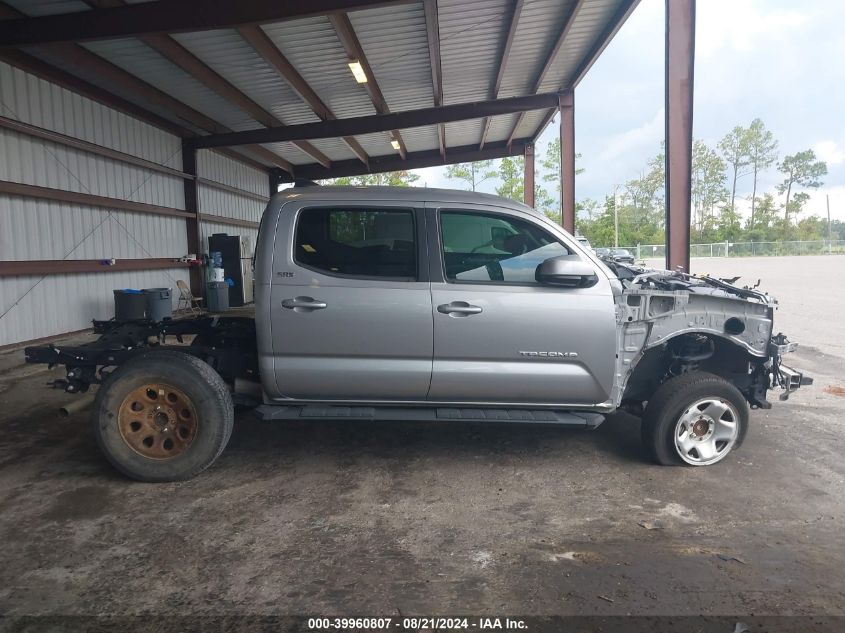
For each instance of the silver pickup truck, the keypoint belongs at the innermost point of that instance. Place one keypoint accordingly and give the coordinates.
(424, 304)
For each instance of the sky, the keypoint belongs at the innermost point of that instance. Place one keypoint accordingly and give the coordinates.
(782, 61)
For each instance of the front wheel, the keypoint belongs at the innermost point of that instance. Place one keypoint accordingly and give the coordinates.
(694, 419)
(163, 416)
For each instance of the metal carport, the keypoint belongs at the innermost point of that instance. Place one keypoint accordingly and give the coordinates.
(270, 86)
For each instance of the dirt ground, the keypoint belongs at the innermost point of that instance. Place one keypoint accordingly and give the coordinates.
(360, 518)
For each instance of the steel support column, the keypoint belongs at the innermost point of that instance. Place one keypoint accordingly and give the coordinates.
(680, 61)
(192, 223)
(567, 160)
(274, 183)
(528, 176)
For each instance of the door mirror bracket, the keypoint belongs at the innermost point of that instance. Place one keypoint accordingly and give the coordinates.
(568, 271)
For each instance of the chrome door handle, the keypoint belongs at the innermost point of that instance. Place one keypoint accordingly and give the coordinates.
(458, 308)
(303, 304)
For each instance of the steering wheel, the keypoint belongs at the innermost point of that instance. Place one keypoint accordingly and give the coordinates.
(480, 246)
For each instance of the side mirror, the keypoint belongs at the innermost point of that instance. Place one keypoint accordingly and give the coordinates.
(568, 271)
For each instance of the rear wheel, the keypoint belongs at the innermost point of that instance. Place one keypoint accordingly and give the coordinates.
(695, 419)
(164, 416)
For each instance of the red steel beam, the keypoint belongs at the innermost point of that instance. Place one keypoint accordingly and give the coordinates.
(86, 146)
(192, 224)
(680, 64)
(528, 176)
(219, 219)
(432, 29)
(86, 199)
(70, 266)
(414, 160)
(567, 161)
(382, 122)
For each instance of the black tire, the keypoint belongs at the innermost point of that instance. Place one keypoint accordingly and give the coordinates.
(208, 394)
(674, 398)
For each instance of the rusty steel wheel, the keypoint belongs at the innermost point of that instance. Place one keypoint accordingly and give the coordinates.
(163, 416)
(157, 421)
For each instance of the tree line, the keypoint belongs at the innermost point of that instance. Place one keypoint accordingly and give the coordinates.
(721, 177)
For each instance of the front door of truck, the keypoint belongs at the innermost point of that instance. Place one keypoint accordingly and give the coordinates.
(499, 335)
(351, 303)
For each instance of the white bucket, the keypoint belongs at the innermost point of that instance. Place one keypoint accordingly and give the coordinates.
(217, 274)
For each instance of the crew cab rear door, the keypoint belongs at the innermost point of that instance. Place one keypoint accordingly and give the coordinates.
(499, 335)
(351, 303)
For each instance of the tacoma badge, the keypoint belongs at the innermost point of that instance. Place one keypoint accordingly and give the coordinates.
(550, 354)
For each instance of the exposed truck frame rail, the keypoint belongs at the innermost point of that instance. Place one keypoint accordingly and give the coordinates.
(227, 344)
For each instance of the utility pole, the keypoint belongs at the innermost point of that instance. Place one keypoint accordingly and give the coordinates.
(829, 230)
(615, 218)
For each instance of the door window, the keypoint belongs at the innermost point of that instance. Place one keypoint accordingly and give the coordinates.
(357, 242)
(489, 247)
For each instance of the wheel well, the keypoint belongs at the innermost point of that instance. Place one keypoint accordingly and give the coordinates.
(696, 352)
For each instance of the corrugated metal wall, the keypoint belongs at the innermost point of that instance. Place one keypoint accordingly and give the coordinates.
(35, 306)
(214, 201)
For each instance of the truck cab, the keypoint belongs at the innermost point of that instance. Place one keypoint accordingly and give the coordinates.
(426, 299)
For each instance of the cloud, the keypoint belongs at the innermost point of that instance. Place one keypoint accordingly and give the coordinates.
(739, 25)
(817, 204)
(829, 152)
(643, 138)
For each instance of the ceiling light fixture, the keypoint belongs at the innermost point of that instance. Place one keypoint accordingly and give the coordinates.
(394, 144)
(358, 71)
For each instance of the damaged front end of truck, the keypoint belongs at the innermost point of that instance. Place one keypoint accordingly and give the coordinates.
(671, 323)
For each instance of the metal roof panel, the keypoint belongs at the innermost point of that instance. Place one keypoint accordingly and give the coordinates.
(226, 52)
(472, 35)
(311, 45)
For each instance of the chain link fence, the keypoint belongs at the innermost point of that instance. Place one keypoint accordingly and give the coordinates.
(747, 249)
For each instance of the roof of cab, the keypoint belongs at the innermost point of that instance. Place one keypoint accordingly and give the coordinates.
(384, 194)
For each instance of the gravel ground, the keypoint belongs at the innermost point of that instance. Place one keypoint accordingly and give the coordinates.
(394, 519)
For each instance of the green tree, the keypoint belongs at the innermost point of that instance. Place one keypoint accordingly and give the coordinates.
(544, 202)
(473, 174)
(735, 151)
(799, 170)
(708, 187)
(728, 225)
(766, 223)
(599, 229)
(402, 178)
(762, 152)
(510, 173)
(551, 164)
(647, 191)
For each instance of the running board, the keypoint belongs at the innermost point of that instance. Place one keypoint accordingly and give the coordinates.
(581, 419)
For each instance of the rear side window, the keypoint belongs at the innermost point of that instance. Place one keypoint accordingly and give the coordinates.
(357, 242)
